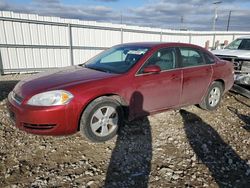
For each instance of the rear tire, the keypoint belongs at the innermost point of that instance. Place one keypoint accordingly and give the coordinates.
(213, 97)
(101, 119)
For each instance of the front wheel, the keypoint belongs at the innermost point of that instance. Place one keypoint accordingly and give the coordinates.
(101, 119)
(213, 97)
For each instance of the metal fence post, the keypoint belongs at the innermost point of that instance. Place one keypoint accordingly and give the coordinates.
(161, 36)
(1, 65)
(213, 41)
(233, 36)
(70, 45)
(190, 38)
(121, 35)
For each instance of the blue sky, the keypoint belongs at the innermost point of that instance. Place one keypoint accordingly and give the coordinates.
(114, 4)
(196, 14)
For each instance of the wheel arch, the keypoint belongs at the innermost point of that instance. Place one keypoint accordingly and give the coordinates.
(201, 104)
(222, 83)
(113, 96)
(216, 80)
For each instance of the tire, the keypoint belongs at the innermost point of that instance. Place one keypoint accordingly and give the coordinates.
(101, 119)
(213, 97)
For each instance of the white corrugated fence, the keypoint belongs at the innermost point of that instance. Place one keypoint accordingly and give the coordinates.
(30, 42)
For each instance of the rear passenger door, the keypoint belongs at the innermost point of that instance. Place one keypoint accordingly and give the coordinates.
(197, 74)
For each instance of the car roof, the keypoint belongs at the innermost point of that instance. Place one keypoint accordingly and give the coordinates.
(244, 37)
(159, 44)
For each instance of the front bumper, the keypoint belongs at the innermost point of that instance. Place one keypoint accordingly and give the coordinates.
(242, 69)
(243, 79)
(56, 120)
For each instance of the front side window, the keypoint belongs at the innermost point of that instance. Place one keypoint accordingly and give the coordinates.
(119, 59)
(191, 57)
(164, 58)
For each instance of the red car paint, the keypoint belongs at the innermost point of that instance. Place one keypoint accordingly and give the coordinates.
(165, 90)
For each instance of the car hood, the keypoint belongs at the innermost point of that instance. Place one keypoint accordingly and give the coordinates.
(57, 79)
(244, 54)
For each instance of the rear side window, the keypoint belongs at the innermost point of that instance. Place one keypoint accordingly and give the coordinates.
(209, 59)
(191, 57)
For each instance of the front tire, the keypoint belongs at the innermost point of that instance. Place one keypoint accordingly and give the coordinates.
(101, 119)
(213, 97)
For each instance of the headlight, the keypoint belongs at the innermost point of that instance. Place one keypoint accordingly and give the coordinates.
(51, 98)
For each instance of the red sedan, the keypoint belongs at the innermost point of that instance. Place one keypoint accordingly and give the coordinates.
(125, 81)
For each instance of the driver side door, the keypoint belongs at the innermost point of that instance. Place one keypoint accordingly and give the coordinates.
(159, 90)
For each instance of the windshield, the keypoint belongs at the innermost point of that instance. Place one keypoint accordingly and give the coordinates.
(117, 59)
(239, 44)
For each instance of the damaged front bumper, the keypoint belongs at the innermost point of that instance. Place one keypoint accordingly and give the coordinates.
(242, 79)
(242, 74)
(242, 69)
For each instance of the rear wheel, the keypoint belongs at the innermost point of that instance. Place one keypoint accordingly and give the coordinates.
(101, 119)
(213, 97)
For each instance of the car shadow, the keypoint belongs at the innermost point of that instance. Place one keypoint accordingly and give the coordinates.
(242, 117)
(6, 86)
(226, 167)
(130, 162)
(240, 101)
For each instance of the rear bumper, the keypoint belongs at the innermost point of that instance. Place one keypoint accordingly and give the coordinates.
(57, 120)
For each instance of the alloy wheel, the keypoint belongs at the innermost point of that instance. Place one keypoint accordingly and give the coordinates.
(104, 121)
(214, 96)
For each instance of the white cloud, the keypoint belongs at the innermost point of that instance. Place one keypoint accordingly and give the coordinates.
(197, 14)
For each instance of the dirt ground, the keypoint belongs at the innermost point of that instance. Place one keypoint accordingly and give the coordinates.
(178, 148)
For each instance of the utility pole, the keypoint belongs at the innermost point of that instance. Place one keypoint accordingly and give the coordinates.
(229, 18)
(215, 13)
(121, 21)
(121, 29)
(182, 23)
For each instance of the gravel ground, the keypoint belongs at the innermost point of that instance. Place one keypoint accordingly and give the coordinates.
(179, 148)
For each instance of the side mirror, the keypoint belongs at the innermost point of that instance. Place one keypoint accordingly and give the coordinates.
(152, 69)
